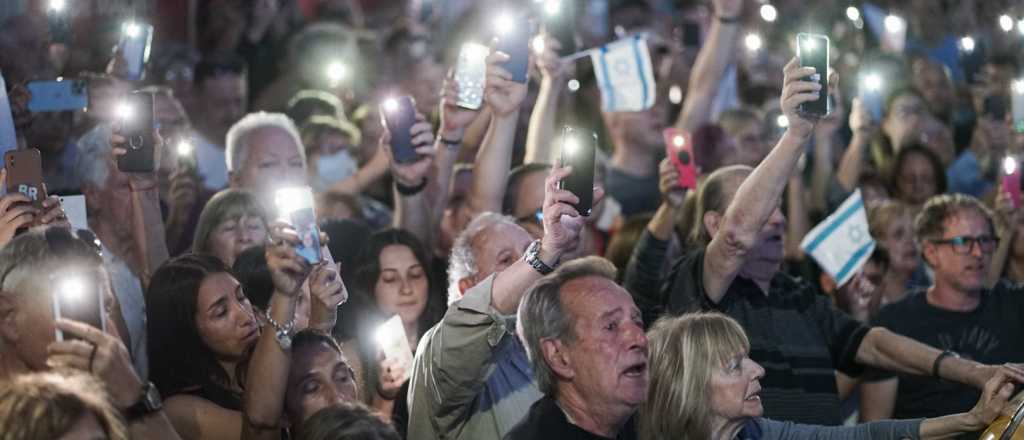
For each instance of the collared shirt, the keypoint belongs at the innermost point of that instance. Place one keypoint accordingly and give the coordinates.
(128, 290)
(211, 163)
(547, 420)
(471, 378)
(795, 333)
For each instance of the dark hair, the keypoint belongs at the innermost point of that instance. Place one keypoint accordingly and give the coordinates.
(515, 179)
(311, 336)
(882, 149)
(217, 64)
(930, 223)
(707, 142)
(620, 248)
(307, 103)
(179, 360)
(252, 272)
(937, 169)
(369, 272)
(880, 257)
(346, 421)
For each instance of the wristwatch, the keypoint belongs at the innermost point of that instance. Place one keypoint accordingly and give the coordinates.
(149, 403)
(532, 257)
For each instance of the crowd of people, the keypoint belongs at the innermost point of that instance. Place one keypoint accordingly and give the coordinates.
(443, 280)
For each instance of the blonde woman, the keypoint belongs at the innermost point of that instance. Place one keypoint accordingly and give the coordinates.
(57, 406)
(704, 386)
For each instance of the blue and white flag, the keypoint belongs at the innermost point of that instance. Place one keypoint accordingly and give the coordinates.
(841, 244)
(624, 74)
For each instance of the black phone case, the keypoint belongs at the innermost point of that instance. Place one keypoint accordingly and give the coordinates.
(86, 308)
(398, 123)
(139, 133)
(581, 181)
(563, 27)
(819, 61)
(517, 45)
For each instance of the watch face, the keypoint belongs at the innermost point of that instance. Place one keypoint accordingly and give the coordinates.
(153, 400)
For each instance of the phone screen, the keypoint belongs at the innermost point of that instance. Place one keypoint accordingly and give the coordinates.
(470, 75)
(1017, 105)
(77, 297)
(58, 96)
(560, 23)
(812, 49)
(399, 115)
(679, 150)
(25, 174)
(136, 39)
(296, 205)
(514, 40)
(137, 127)
(59, 24)
(578, 150)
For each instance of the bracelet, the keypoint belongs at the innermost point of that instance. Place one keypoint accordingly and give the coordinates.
(283, 333)
(729, 20)
(410, 190)
(938, 360)
(452, 144)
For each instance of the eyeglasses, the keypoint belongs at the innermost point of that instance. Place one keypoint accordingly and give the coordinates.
(964, 245)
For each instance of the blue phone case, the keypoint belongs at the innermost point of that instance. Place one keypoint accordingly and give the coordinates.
(517, 45)
(304, 221)
(58, 96)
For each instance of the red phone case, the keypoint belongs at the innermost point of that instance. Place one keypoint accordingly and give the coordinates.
(679, 149)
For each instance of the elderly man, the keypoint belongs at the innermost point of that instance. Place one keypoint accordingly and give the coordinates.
(799, 337)
(264, 153)
(471, 378)
(586, 343)
(958, 314)
(39, 265)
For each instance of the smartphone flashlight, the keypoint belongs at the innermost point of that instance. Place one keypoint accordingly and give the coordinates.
(390, 105)
(289, 200)
(873, 82)
(123, 111)
(57, 6)
(1011, 180)
(768, 12)
(1009, 165)
(538, 44)
(336, 72)
(967, 44)
(570, 146)
(782, 121)
(503, 24)
(185, 148)
(1005, 23)
(752, 42)
(894, 24)
(71, 288)
(131, 29)
(552, 7)
(853, 13)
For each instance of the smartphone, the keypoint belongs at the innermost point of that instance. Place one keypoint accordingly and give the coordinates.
(77, 297)
(1012, 180)
(184, 152)
(994, 106)
(1017, 105)
(136, 39)
(560, 23)
(514, 40)
(679, 150)
(470, 75)
(578, 151)
(394, 343)
(296, 206)
(25, 174)
(399, 115)
(138, 128)
(812, 49)
(58, 96)
(58, 22)
(870, 94)
(74, 209)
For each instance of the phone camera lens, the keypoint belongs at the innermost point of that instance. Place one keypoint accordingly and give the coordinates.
(684, 157)
(136, 142)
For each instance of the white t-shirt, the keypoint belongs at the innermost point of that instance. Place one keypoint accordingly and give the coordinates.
(210, 162)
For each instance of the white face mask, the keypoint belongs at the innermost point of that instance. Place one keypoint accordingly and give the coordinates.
(333, 168)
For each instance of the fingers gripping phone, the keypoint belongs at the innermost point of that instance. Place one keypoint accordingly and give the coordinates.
(514, 40)
(399, 115)
(25, 174)
(135, 42)
(470, 75)
(578, 151)
(679, 150)
(812, 50)
(139, 131)
(296, 205)
(57, 96)
(77, 296)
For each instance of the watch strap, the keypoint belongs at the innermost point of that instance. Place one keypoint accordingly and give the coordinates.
(149, 403)
(533, 259)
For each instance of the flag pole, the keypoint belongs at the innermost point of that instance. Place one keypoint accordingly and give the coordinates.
(578, 55)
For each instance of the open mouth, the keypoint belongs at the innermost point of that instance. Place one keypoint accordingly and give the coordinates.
(636, 370)
(755, 397)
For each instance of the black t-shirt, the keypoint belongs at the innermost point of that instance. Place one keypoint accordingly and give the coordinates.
(991, 334)
(637, 195)
(547, 421)
(795, 333)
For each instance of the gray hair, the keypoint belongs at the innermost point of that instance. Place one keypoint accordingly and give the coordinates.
(93, 162)
(27, 261)
(236, 151)
(462, 263)
(542, 314)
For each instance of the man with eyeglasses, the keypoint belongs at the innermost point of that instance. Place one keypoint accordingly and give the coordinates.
(958, 314)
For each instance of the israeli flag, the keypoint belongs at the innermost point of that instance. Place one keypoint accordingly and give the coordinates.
(624, 74)
(841, 244)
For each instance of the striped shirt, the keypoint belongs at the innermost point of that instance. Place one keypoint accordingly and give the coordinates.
(795, 334)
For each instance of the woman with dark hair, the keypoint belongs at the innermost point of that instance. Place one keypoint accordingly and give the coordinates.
(917, 175)
(395, 279)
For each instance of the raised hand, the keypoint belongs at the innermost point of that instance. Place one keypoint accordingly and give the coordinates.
(550, 65)
(797, 90)
(327, 291)
(412, 174)
(100, 354)
(393, 375)
(501, 93)
(668, 184)
(454, 119)
(288, 269)
(562, 223)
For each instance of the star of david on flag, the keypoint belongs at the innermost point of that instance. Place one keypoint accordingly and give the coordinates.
(624, 75)
(841, 244)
